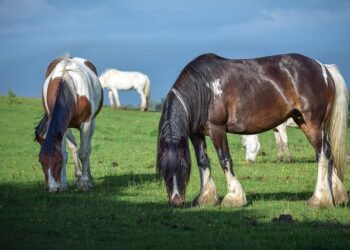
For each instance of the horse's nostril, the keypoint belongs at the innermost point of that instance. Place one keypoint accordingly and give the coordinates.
(177, 202)
(47, 190)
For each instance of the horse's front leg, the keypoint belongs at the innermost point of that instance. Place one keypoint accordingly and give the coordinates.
(208, 194)
(111, 98)
(235, 196)
(72, 145)
(86, 133)
(116, 96)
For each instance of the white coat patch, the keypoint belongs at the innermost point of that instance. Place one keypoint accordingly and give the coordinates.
(53, 185)
(216, 88)
(175, 189)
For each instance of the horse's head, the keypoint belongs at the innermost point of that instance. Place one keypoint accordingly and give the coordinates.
(174, 164)
(51, 160)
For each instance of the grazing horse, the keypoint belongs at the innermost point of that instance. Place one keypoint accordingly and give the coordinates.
(214, 95)
(115, 80)
(252, 144)
(72, 97)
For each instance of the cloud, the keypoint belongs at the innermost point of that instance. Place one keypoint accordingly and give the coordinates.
(145, 34)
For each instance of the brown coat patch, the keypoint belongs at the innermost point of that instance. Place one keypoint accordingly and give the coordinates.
(91, 66)
(52, 91)
(51, 66)
(82, 112)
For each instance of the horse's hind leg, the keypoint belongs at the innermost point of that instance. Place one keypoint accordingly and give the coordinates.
(111, 98)
(235, 196)
(86, 133)
(208, 194)
(143, 99)
(323, 195)
(279, 145)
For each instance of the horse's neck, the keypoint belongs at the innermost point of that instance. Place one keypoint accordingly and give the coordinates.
(172, 128)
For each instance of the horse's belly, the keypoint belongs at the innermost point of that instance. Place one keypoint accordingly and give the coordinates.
(254, 123)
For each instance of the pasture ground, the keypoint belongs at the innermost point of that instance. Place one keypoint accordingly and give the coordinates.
(127, 208)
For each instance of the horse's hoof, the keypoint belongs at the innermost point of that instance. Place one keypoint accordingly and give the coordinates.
(208, 196)
(206, 199)
(234, 200)
(63, 187)
(84, 185)
(315, 202)
(289, 160)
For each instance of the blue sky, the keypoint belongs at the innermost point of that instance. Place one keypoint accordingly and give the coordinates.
(160, 37)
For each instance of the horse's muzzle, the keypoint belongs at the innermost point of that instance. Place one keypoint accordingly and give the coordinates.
(52, 190)
(177, 202)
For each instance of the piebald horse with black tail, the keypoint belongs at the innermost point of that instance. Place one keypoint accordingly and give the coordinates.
(214, 95)
(72, 97)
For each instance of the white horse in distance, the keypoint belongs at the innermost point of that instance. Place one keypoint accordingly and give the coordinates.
(252, 145)
(115, 80)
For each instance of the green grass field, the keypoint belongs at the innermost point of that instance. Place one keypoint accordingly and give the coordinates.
(127, 208)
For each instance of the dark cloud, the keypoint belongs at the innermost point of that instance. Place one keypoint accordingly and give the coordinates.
(160, 37)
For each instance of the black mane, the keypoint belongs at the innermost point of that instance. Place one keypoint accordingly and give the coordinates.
(193, 87)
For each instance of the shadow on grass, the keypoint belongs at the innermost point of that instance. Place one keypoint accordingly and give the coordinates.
(125, 180)
(101, 219)
(288, 196)
(294, 160)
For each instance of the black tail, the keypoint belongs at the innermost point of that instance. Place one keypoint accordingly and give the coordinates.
(62, 112)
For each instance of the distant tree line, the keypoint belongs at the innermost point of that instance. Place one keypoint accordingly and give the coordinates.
(156, 105)
(153, 105)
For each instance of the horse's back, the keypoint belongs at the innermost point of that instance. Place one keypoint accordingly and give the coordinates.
(79, 74)
(254, 95)
(124, 80)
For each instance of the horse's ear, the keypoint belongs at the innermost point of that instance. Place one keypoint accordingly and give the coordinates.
(39, 138)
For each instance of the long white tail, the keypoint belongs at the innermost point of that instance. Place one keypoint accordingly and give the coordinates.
(337, 124)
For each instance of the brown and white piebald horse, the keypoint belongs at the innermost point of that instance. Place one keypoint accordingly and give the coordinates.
(214, 95)
(72, 97)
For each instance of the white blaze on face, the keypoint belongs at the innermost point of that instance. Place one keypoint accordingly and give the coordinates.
(175, 188)
(216, 88)
(53, 185)
(324, 72)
